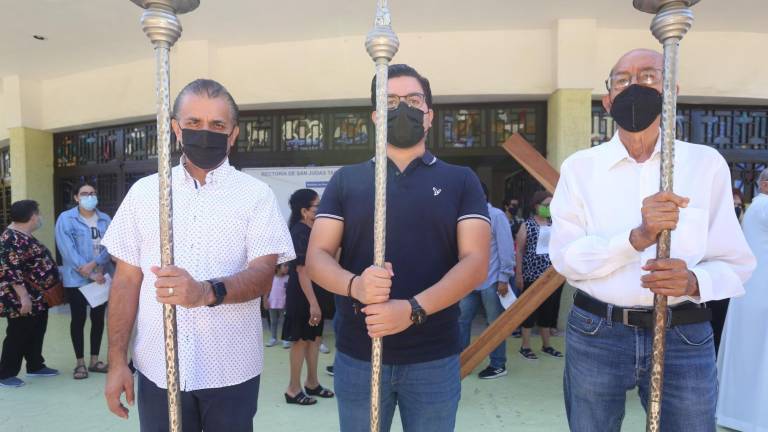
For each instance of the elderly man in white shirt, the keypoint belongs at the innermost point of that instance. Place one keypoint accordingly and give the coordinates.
(228, 237)
(607, 214)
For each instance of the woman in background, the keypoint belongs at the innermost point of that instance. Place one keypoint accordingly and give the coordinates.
(303, 315)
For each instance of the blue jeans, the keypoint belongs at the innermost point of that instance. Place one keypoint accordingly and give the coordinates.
(492, 305)
(427, 394)
(605, 359)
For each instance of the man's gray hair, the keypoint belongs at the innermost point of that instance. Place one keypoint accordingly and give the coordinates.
(210, 89)
(763, 176)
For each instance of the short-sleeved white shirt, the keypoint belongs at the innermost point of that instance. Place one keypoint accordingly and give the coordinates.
(218, 228)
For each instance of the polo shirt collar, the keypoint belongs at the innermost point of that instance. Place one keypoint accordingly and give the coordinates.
(615, 151)
(428, 159)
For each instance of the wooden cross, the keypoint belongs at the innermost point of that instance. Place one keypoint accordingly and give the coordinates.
(534, 296)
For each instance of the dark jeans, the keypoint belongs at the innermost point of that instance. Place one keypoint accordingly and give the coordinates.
(213, 410)
(604, 360)
(23, 339)
(78, 306)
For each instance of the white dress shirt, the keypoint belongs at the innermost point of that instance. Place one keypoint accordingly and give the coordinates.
(218, 228)
(597, 203)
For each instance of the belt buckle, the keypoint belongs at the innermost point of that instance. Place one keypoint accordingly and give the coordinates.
(625, 316)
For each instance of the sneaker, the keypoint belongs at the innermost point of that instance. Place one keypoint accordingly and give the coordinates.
(329, 370)
(286, 344)
(491, 372)
(324, 349)
(11, 382)
(44, 372)
(555, 332)
(272, 342)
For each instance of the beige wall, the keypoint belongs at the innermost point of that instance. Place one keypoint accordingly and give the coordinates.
(476, 65)
(32, 162)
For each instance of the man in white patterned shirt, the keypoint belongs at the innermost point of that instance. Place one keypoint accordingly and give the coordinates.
(606, 217)
(228, 237)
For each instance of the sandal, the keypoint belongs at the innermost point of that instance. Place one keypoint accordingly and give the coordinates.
(551, 351)
(80, 372)
(98, 367)
(320, 391)
(528, 354)
(300, 399)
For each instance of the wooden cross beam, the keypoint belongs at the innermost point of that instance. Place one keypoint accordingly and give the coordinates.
(534, 296)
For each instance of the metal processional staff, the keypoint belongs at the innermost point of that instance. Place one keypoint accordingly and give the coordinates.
(672, 21)
(381, 44)
(163, 28)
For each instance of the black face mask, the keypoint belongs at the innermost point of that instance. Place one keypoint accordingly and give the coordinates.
(405, 126)
(636, 108)
(512, 210)
(204, 148)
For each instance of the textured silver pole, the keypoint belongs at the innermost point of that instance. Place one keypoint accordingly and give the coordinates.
(673, 20)
(161, 25)
(381, 44)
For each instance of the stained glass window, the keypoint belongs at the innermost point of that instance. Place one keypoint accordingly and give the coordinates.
(352, 130)
(302, 132)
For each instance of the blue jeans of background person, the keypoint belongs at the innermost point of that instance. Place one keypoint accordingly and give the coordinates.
(216, 409)
(492, 305)
(606, 359)
(427, 394)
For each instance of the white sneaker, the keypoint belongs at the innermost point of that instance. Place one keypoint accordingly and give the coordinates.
(286, 344)
(324, 349)
(272, 342)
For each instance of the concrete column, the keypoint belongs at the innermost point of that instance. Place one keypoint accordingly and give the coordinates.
(569, 123)
(32, 165)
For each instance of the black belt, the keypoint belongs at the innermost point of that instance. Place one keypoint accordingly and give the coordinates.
(680, 314)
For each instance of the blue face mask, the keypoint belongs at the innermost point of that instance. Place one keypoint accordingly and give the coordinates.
(89, 203)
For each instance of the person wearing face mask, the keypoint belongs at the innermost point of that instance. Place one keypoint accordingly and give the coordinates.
(511, 208)
(27, 269)
(228, 237)
(437, 252)
(79, 231)
(607, 213)
(532, 259)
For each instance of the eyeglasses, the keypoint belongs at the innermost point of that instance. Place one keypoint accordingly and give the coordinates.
(645, 77)
(413, 100)
(86, 194)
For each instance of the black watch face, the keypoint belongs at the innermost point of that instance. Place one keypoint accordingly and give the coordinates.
(418, 316)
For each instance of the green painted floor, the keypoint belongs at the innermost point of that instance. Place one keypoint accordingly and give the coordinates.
(528, 399)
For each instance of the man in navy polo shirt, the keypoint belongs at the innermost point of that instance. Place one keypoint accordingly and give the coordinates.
(437, 251)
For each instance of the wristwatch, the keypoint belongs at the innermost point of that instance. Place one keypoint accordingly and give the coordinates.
(418, 314)
(219, 291)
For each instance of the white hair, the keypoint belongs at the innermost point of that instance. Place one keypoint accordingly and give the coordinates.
(763, 176)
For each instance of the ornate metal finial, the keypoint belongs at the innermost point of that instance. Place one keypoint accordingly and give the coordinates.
(673, 17)
(382, 43)
(159, 21)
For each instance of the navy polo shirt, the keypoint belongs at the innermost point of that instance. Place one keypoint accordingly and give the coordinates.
(425, 203)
